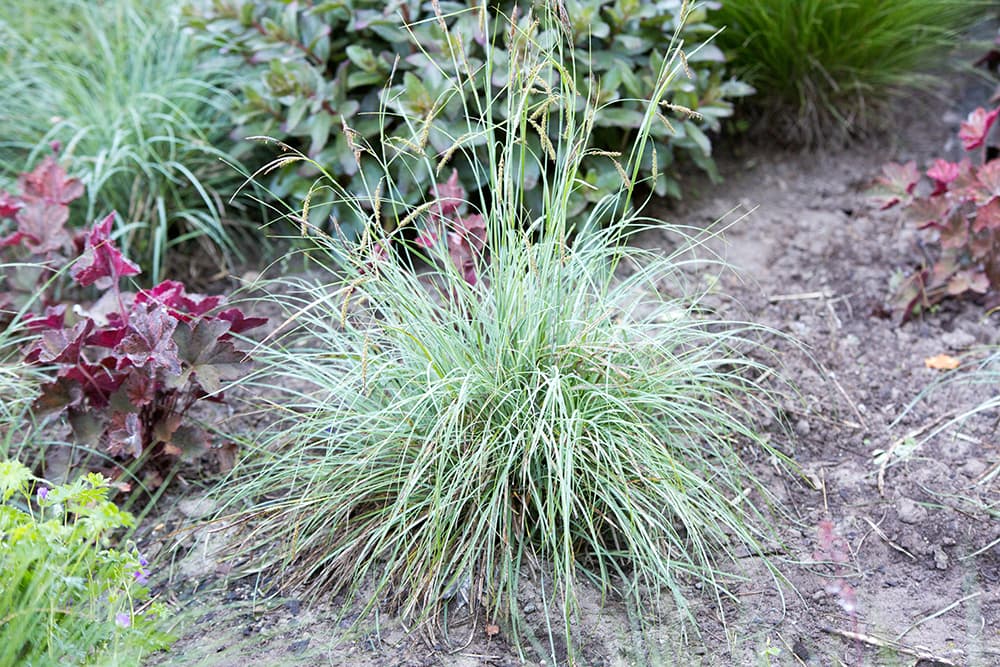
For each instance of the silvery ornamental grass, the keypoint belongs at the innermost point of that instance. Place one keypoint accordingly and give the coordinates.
(475, 399)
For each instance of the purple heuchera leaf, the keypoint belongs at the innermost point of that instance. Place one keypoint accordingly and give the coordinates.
(14, 238)
(60, 346)
(942, 173)
(111, 335)
(95, 382)
(988, 216)
(49, 182)
(466, 235)
(9, 204)
(183, 306)
(41, 210)
(465, 245)
(968, 280)
(449, 196)
(52, 319)
(427, 238)
(125, 434)
(186, 307)
(150, 339)
(139, 388)
(897, 181)
(462, 256)
(954, 231)
(974, 129)
(42, 226)
(928, 211)
(238, 322)
(208, 356)
(101, 263)
(987, 182)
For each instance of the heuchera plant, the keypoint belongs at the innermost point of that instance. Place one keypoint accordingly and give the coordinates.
(464, 233)
(958, 207)
(37, 242)
(448, 221)
(128, 368)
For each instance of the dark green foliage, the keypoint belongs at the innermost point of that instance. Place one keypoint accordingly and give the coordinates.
(825, 69)
(395, 75)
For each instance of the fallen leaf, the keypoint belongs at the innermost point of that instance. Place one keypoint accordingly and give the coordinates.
(941, 362)
(492, 630)
(226, 455)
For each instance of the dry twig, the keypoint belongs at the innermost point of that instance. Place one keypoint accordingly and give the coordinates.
(918, 653)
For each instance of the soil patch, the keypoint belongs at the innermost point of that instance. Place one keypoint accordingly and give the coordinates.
(919, 546)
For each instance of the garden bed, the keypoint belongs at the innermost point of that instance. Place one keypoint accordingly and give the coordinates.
(918, 540)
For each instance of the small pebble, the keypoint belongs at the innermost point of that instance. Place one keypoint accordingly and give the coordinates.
(910, 512)
(958, 340)
(972, 468)
(299, 646)
(195, 508)
(940, 559)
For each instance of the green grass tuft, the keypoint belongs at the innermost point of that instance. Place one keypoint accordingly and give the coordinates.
(564, 420)
(125, 93)
(825, 70)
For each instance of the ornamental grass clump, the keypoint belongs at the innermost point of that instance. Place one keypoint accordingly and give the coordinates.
(825, 70)
(19, 385)
(482, 399)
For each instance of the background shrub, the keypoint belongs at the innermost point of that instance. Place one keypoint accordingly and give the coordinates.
(439, 433)
(385, 70)
(120, 86)
(825, 70)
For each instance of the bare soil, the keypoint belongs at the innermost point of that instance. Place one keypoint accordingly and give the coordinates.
(812, 259)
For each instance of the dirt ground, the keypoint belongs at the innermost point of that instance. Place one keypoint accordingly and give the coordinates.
(813, 259)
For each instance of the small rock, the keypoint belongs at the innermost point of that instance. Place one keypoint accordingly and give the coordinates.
(299, 646)
(910, 512)
(940, 559)
(958, 340)
(800, 650)
(195, 508)
(802, 427)
(972, 468)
